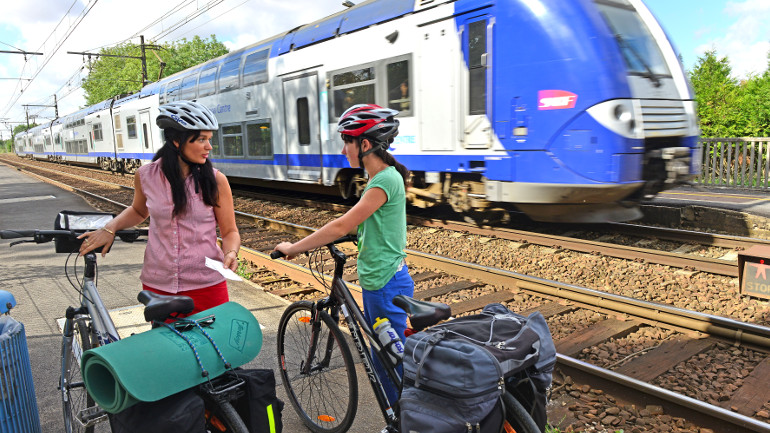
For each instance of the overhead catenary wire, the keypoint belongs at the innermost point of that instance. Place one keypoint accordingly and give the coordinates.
(49, 56)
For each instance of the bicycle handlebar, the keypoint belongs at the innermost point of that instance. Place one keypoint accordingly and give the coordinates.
(43, 236)
(347, 238)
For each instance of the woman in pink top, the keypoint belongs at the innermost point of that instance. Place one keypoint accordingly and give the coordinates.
(186, 199)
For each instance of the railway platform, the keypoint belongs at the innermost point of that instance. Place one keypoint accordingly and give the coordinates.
(34, 274)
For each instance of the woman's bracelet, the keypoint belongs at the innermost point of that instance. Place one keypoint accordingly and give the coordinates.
(234, 250)
(108, 231)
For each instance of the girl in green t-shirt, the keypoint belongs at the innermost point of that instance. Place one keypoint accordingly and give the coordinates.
(367, 130)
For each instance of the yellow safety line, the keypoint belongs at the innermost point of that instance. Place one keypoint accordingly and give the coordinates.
(716, 195)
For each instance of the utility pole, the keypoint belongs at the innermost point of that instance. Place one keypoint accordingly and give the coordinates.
(143, 58)
(55, 106)
(144, 62)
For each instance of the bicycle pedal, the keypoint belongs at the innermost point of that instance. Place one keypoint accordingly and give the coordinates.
(91, 416)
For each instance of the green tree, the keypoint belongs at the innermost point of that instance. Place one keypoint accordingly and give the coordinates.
(112, 76)
(717, 94)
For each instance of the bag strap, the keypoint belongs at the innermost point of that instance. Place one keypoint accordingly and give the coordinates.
(431, 342)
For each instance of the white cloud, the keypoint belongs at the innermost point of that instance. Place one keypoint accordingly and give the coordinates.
(746, 42)
(26, 25)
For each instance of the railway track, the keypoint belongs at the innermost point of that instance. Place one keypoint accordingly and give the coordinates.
(683, 335)
(679, 257)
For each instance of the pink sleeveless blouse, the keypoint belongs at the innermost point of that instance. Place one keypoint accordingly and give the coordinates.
(177, 247)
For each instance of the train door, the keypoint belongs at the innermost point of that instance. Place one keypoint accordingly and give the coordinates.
(477, 50)
(437, 76)
(303, 142)
(148, 146)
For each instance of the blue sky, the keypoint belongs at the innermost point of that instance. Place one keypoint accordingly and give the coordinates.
(735, 28)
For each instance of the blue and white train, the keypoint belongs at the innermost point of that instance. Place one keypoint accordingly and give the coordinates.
(570, 110)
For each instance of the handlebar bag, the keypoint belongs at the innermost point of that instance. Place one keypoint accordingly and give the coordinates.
(78, 221)
(455, 372)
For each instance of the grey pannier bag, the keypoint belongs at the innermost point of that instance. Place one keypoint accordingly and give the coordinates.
(456, 372)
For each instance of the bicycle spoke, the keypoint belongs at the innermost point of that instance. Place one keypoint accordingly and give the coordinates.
(326, 397)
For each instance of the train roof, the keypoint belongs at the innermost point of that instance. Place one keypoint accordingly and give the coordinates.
(349, 20)
(121, 101)
(98, 106)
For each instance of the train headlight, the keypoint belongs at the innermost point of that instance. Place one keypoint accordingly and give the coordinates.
(621, 116)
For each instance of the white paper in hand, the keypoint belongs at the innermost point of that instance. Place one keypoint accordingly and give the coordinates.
(220, 267)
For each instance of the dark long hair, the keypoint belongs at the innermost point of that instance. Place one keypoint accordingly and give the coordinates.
(381, 151)
(202, 174)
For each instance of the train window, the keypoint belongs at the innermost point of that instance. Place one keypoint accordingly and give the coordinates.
(57, 139)
(206, 82)
(232, 140)
(117, 121)
(172, 90)
(131, 126)
(399, 93)
(260, 140)
(477, 70)
(216, 147)
(97, 132)
(188, 87)
(352, 87)
(255, 68)
(228, 75)
(47, 141)
(303, 121)
(119, 140)
(145, 136)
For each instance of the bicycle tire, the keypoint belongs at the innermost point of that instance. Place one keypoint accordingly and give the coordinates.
(75, 397)
(517, 416)
(326, 399)
(226, 413)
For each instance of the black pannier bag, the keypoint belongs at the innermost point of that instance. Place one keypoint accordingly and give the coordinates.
(259, 407)
(454, 373)
(183, 412)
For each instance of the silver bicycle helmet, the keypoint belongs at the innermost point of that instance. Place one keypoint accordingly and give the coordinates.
(186, 115)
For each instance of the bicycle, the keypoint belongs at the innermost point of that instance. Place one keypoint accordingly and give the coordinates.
(89, 325)
(316, 363)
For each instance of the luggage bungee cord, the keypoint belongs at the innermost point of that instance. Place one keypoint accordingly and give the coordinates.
(196, 324)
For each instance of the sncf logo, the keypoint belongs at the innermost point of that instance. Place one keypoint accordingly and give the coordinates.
(555, 99)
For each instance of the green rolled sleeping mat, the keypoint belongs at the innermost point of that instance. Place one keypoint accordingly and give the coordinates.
(155, 364)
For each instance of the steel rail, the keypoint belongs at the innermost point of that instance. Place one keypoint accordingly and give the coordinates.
(685, 405)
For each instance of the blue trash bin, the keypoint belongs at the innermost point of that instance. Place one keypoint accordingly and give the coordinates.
(18, 406)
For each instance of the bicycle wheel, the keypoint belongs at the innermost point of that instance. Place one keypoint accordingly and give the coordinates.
(77, 403)
(517, 417)
(326, 399)
(224, 418)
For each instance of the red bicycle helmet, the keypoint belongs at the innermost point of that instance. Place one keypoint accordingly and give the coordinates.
(369, 120)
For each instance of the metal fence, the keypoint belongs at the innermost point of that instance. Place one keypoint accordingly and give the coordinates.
(736, 162)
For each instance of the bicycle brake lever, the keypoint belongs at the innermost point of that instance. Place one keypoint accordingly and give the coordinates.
(19, 242)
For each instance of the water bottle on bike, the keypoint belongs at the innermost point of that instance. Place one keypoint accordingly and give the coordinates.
(389, 339)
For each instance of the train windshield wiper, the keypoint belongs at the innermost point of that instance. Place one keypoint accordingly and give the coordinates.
(629, 48)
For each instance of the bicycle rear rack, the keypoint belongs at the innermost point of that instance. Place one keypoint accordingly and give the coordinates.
(224, 388)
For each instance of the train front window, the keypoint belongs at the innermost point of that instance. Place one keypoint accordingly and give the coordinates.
(639, 48)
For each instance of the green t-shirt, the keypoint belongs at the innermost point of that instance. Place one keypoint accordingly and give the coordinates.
(382, 236)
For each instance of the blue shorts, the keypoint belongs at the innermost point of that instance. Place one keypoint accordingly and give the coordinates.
(379, 303)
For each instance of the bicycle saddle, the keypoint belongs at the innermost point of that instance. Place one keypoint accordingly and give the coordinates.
(161, 307)
(422, 313)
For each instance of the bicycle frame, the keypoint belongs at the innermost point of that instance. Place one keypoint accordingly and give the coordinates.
(341, 299)
(102, 329)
